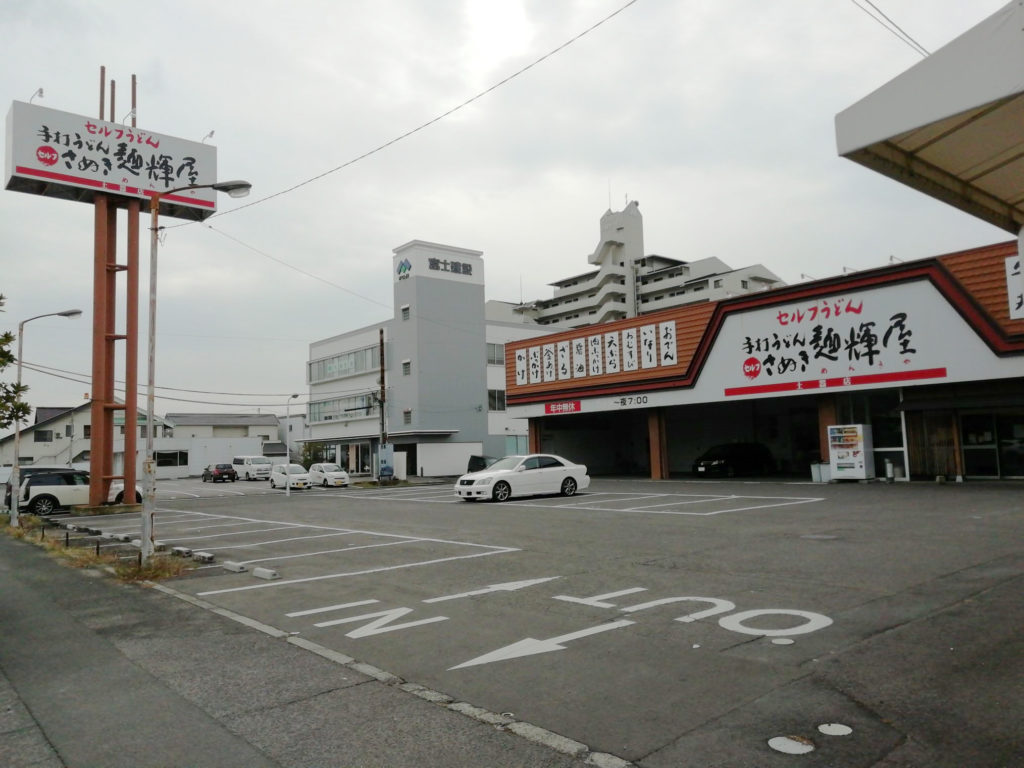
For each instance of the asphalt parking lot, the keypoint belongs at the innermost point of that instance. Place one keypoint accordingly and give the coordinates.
(678, 623)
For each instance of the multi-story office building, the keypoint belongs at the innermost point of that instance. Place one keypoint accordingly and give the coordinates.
(441, 359)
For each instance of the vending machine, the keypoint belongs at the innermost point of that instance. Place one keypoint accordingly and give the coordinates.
(851, 454)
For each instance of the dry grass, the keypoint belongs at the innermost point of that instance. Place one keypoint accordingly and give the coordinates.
(156, 568)
(86, 552)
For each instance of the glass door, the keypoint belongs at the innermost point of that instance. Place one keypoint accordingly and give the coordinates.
(981, 454)
(1010, 433)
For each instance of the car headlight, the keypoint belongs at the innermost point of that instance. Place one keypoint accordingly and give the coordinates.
(484, 481)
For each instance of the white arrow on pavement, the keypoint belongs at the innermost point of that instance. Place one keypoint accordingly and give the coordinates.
(508, 586)
(531, 646)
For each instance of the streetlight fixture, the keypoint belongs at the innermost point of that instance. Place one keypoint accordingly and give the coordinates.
(15, 474)
(234, 189)
(288, 445)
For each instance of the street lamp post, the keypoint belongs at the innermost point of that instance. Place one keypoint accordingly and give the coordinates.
(234, 189)
(15, 474)
(288, 445)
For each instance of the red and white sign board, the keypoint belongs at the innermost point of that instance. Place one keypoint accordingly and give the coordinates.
(898, 335)
(60, 154)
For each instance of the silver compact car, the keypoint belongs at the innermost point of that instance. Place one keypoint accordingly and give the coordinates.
(530, 475)
(289, 476)
(328, 475)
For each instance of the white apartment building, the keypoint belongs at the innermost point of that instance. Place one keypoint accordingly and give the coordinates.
(628, 282)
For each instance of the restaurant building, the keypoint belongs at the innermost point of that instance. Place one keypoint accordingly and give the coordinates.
(929, 354)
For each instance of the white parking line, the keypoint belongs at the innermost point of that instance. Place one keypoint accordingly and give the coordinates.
(382, 569)
(330, 551)
(783, 501)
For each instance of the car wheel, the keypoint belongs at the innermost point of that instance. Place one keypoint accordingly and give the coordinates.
(204, 478)
(568, 487)
(138, 497)
(119, 498)
(324, 483)
(272, 483)
(233, 479)
(502, 491)
(43, 505)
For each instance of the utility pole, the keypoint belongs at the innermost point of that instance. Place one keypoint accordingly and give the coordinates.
(382, 396)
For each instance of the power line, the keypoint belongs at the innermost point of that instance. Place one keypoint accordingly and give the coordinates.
(82, 378)
(892, 27)
(430, 122)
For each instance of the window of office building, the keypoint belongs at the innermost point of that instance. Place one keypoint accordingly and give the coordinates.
(406, 367)
(407, 416)
(495, 354)
(347, 364)
(342, 408)
(43, 436)
(495, 399)
(405, 312)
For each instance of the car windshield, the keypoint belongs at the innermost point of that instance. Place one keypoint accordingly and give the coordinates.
(261, 460)
(330, 468)
(507, 462)
(296, 469)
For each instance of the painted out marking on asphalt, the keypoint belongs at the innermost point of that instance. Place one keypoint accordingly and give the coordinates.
(736, 622)
(599, 601)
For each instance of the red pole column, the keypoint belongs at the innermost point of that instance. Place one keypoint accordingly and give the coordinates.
(110, 338)
(100, 438)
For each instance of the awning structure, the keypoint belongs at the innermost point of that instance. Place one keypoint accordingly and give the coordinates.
(952, 126)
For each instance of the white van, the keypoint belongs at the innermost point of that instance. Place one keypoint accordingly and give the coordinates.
(252, 467)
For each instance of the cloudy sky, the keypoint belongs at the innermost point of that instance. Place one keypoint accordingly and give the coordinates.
(717, 115)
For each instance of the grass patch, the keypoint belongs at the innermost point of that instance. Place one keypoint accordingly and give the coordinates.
(88, 552)
(27, 525)
(156, 568)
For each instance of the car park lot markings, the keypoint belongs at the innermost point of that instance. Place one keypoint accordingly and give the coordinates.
(491, 550)
(680, 500)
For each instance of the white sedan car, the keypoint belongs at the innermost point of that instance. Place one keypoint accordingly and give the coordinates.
(328, 475)
(289, 476)
(529, 475)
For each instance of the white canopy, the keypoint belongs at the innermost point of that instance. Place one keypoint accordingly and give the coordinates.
(952, 126)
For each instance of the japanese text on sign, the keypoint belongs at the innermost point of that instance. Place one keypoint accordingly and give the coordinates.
(611, 353)
(1015, 287)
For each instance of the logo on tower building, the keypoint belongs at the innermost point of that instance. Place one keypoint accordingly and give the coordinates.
(404, 268)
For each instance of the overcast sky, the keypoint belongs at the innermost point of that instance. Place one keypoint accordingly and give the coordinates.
(716, 115)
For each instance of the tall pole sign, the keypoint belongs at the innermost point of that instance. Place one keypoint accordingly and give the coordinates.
(111, 165)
